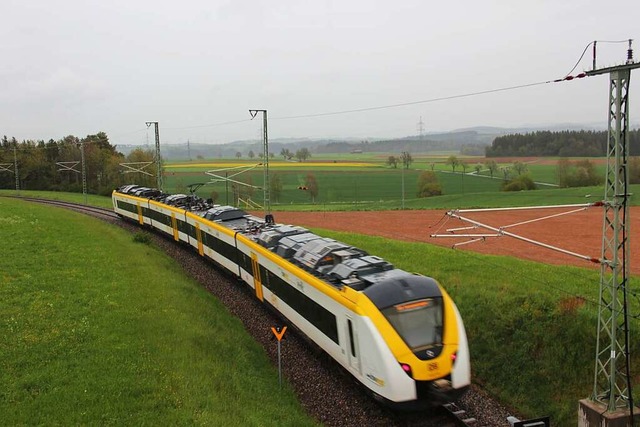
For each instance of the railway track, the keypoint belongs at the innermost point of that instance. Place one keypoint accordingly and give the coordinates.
(92, 210)
(330, 396)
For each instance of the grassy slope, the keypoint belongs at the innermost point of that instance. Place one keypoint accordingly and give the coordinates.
(97, 329)
(531, 326)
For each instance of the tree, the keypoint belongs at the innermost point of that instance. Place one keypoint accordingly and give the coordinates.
(634, 170)
(311, 185)
(519, 167)
(238, 154)
(453, 162)
(406, 159)
(286, 154)
(465, 166)
(579, 174)
(38, 170)
(478, 168)
(251, 154)
(303, 154)
(392, 161)
(563, 169)
(428, 184)
(519, 183)
(492, 166)
(275, 186)
(140, 155)
(505, 172)
(563, 144)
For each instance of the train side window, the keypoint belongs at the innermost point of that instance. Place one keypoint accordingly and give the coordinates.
(351, 341)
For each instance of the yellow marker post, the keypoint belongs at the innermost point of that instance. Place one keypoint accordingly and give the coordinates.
(279, 333)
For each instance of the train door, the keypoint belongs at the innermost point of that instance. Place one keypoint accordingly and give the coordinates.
(174, 225)
(140, 218)
(199, 238)
(257, 282)
(352, 345)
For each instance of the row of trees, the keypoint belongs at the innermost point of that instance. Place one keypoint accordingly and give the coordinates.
(50, 165)
(251, 154)
(302, 154)
(560, 144)
(405, 159)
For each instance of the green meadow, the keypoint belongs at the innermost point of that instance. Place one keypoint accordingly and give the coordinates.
(367, 183)
(98, 329)
(531, 326)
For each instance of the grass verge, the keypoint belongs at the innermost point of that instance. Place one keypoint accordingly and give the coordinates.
(97, 329)
(531, 326)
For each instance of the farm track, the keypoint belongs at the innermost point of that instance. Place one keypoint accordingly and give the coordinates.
(326, 392)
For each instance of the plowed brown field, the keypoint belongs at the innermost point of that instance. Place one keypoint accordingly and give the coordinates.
(579, 232)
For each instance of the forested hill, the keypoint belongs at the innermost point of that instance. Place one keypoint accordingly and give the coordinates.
(559, 144)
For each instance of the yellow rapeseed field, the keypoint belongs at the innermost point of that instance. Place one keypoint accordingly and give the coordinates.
(277, 164)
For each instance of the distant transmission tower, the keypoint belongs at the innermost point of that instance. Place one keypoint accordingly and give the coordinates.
(421, 128)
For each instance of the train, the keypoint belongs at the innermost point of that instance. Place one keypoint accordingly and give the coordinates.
(397, 333)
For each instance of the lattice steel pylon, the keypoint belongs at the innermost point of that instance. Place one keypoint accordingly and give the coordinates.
(612, 386)
(265, 160)
(157, 158)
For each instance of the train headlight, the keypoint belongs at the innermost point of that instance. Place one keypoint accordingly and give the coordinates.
(454, 356)
(407, 369)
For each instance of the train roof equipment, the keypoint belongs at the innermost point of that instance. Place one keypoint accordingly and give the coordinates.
(323, 253)
(289, 245)
(224, 213)
(270, 238)
(234, 218)
(361, 272)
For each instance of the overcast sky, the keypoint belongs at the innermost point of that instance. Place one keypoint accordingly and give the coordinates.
(82, 66)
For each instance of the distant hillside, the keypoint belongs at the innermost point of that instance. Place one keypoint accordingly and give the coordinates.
(468, 141)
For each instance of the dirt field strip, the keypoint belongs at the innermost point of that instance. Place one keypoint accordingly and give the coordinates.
(580, 232)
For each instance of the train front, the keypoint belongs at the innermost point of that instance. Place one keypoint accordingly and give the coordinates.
(427, 339)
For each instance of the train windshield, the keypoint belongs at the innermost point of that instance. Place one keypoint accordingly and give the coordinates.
(419, 323)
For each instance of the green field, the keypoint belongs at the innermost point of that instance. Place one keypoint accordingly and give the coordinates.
(99, 330)
(531, 326)
(558, 196)
(362, 182)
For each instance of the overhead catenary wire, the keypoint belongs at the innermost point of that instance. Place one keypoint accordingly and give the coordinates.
(405, 104)
(567, 77)
(594, 43)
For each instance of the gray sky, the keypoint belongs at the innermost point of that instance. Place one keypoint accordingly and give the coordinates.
(83, 66)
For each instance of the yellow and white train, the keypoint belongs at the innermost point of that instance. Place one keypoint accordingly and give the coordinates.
(399, 334)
